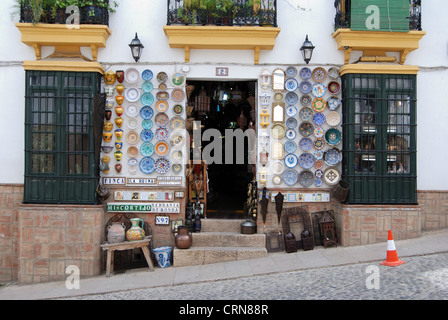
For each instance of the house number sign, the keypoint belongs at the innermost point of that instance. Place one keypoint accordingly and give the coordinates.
(222, 72)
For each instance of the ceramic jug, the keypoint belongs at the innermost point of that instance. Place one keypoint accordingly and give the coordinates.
(116, 232)
(136, 232)
(183, 238)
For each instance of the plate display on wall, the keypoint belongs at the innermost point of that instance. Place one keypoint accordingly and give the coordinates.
(290, 146)
(132, 152)
(162, 165)
(146, 135)
(162, 133)
(178, 109)
(290, 134)
(177, 140)
(162, 95)
(132, 137)
(132, 110)
(305, 100)
(291, 123)
(132, 123)
(147, 149)
(319, 74)
(291, 84)
(278, 131)
(306, 114)
(291, 160)
(277, 180)
(319, 119)
(132, 94)
(318, 132)
(131, 75)
(318, 173)
(306, 128)
(318, 182)
(147, 86)
(177, 168)
(178, 95)
(334, 87)
(333, 73)
(162, 119)
(318, 154)
(306, 178)
(147, 75)
(147, 99)
(162, 77)
(331, 176)
(305, 144)
(146, 112)
(277, 167)
(332, 157)
(318, 164)
(319, 90)
(278, 97)
(319, 105)
(162, 87)
(333, 118)
(291, 98)
(178, 79)
(291, 71)
(176, 156)
(132, 162)
(305, 87)
(147, 165)
(306, 160)
(161, 148)
(290, 177)
(147, 124)
(176, 123)
(333, 136)
(162, 106)
(319, 143)
(333, 103)
(305, 73)
(291, 111)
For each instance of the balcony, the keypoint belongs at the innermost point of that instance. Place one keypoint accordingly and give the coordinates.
(222, 24)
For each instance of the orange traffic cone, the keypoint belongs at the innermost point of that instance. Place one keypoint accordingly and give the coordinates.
(392, 257)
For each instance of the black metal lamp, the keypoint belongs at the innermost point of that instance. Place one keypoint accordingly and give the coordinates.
(307, 50)
(136, 48)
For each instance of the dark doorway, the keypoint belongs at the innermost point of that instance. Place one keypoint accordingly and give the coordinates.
(225, 105)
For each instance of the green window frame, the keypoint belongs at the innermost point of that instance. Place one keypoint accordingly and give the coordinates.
(62, 120)
(379, 138)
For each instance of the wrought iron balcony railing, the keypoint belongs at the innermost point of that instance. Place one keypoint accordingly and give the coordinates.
(343, 14)
(222, 12)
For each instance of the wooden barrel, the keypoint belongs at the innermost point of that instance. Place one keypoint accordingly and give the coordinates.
(340, 190)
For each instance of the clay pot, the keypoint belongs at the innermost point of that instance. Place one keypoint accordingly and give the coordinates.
(109, 77)
(118, 155)
(119, 134)
(119, 121)
(107, 136)
(108, 126)
(183, 239)
(116, 232)
(118, 145)
(119, 74)
(119, 88)
(119, 110)
(119, 99)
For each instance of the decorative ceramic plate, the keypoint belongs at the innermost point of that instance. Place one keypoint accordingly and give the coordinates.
(147, 149)
(291, 160)
(177, 168)
(291, 98)
(162, 165)
(306, 114)
(318, 173)
(319, 105)
(291, 123)
(331, 176)
(132, 170)
(146, 112)
(318, 182)
(132, 137)
(147, 165)
(333, 118)
(132, 162)
(177, 140)
(278, 131)
(305, 87)
(147, 99)
(161, 148)
(132, 75)
(132, 94)
(132, 110)
(147, 86)
(306, 160)
(178, 95)
(290, 177)
(306, 128)
(162, 95)
(305, 144)
(290, 146)
(333, 73)
(290, 134)
(276, 180)
(291, 111)
(178, 79)
(162, 106)
(178, 109)
(333, 103)
(277, 167)
(107, 149)
(305, 73)
(318, 164)
(305, 100)
(319, 119)
(147, 124)
(318, 154)
(334, 87)
(332, 157)
(333, 136)
(291, 71)
(278, 97)
(146, 135)
(291, 84)
(319, 74)
(306, 178)
(319, 90)
(318, 132)
(176, 123)
(319, 143)
(162, 119)
(147, 75)
(162, 133)
(132, 152)
(162, 87)
(132, 123)
(176, 156)
(162, 77)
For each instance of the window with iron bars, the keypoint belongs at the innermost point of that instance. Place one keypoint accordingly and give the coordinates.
(379, 134)
(62, 137)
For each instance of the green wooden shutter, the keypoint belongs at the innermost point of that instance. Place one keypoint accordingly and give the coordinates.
(380, 15)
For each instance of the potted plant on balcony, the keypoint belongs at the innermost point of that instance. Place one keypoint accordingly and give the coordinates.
(189, 12)
(93, 11)
(28, 10)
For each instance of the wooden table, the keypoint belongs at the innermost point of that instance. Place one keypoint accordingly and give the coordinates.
(127, 245)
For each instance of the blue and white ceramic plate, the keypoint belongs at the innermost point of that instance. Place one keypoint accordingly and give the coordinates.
(306, 178)
(147, 99)
(306, 114)
(146, 135)
(332, 157)
(305, 73)
(147, 86)
(147, 165)
(290, 134)
(290, 146)
(291, 111)
(333, 136)
(147, 149)
(291, 160)
(291, 84)
(146, 112)
(318, 182)
(162, 165)
(291, 123)
(305, 144)
(291, 98)
(319, 119)
(333, 103)
(291, 71)
(147, 124)
(306, 160)
(147, 75)
(305, 87)
(290, 177)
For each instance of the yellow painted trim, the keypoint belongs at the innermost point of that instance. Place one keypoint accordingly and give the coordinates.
(77, 66)
(377, 43)
(64, 39)
(225, 38)
(377, 68)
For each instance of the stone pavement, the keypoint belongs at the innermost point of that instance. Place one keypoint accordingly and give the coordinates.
(428, 243)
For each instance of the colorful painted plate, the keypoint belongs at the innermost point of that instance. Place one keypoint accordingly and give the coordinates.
(290, 177)
(333, 136)
(147, 86)
(162, 77)
(291, 98)
(162, 119)
(305, 144)
(334, 87)
(333, 103)
(333, 73)
(305, 73)
(291, 84)
(318, 173)
(147, 149)
(332, 157)
(147, 75)
(318, 154)
(291, 160)
(162, 133)
(162, 106)
(146, 135)
(178, 109)
(306, 178)
(306, 160)
(319, 119)
(178, 95)
(147, 124)
(132, 75)
(319, 105)
(162, 95)
(177, 140)
(147, 165)
(178, 79)
(306, 128)
(132, 94)
(319, 90)
(319, 143)
(331, 176)
(306, 114)
(318, 164)
(176, 123)
(162, 165)
(319, 132)
(146, 112)
(319, 74)
(161, 148)
(147, 99)
(132, 137)
(305, 87)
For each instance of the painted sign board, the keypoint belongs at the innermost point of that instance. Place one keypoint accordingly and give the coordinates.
(380, 15)
(161, 207)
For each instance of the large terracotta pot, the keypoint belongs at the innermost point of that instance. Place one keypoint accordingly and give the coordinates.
(183, 239)
(116, 232)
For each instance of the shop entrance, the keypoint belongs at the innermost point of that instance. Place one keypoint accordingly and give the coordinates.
(221, 105)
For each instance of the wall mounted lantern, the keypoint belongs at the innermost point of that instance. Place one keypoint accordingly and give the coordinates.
(307, 50)
(136, 48)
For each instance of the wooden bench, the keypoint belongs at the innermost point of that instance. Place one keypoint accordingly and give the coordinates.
(127, 245)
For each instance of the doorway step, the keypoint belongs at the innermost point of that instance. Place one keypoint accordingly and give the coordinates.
(221, 241)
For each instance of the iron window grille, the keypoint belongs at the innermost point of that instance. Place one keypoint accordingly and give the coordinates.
(379, 138)
(63, 125)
